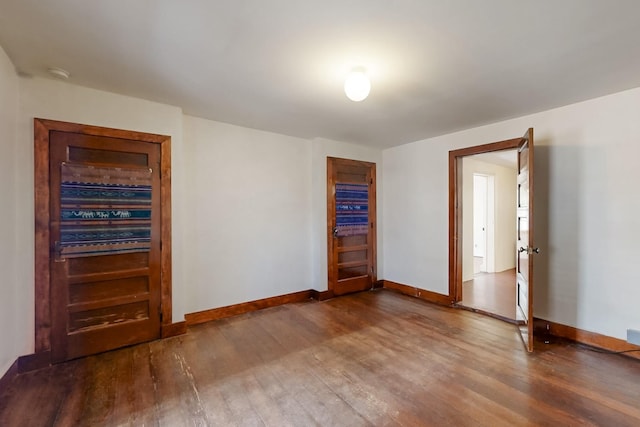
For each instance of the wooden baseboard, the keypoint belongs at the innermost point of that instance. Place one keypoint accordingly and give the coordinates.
(31, 362)
(174, 329)
(321, 295)
(8, 376)
(604, 342)
(233, 310)
(423, 294)
(378, 284)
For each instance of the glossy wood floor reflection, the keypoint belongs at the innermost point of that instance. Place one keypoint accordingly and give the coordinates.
(493, 293)
(370, 359)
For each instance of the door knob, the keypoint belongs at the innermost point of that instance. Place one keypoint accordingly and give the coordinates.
(335, 231)
(522, 249)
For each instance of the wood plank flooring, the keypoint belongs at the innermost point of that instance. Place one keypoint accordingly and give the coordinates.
(369, 359)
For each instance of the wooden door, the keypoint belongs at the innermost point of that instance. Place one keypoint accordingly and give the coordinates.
(525, 247)
(105, 228)
(351, 225)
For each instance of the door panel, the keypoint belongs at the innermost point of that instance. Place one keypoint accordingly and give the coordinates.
(351, 225)
(524, 247)
(105, 228)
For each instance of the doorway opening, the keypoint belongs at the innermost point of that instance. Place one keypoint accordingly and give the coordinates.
(520, 207)
(487, 178)
(489, 233)
(483, 212)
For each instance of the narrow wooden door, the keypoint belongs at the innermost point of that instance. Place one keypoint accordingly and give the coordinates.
(104, 238)
(351, 225)
(525, 248)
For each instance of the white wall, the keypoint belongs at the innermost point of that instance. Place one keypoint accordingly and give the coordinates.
(505, 181)
(320, 150)
(415, 228)
(586, 210)
(249, 214)
(261, 212)
(13, 340)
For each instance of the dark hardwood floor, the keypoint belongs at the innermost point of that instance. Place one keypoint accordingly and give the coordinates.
(374, 358)
(492, 293)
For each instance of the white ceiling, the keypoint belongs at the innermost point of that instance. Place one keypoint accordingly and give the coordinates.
(436, 66)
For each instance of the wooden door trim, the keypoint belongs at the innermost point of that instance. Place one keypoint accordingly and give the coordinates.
(42, 128)
(455, 211)
(331, 207)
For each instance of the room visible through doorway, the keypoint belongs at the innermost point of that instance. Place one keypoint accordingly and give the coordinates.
(489, 233)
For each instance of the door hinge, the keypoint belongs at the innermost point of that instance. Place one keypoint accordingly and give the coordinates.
(160, 313)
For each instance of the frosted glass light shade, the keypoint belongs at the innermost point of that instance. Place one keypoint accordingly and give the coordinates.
(357, 85)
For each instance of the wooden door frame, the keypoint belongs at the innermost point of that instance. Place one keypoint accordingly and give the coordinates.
(331, 212)
(42, 129)
(455, 208)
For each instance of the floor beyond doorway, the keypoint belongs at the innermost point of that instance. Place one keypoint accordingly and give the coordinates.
(492, 293)
(478, 265)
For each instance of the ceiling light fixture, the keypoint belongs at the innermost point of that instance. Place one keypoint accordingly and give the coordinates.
(357, 84)
(59, 73)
